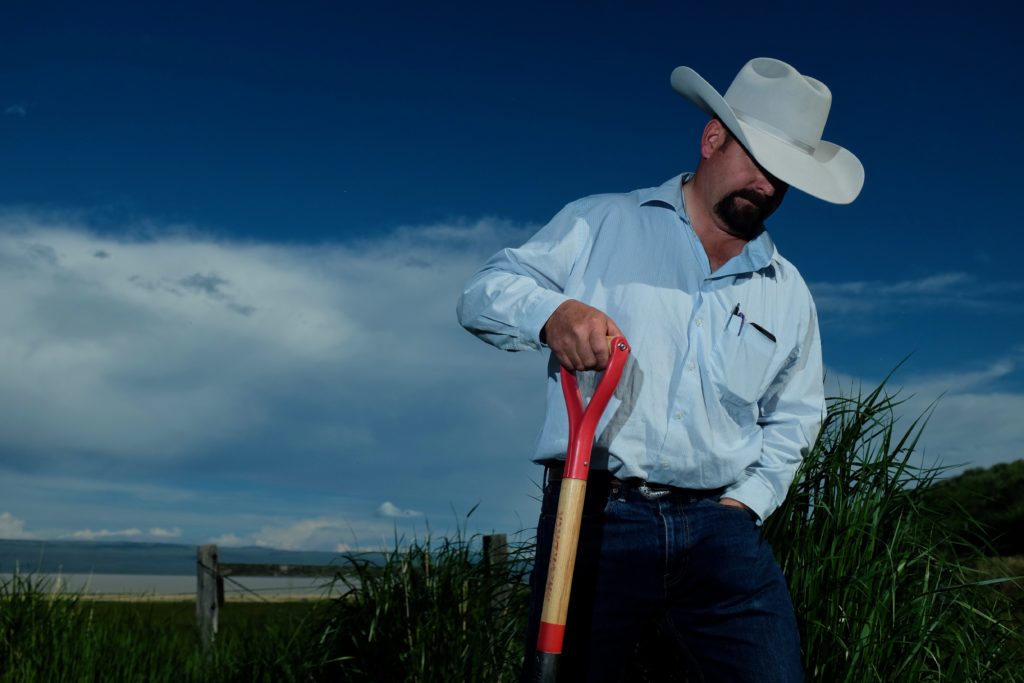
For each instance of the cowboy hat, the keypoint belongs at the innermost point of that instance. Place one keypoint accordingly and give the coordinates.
(778, 115)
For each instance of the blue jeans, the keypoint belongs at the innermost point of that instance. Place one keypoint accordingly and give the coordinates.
(699, 571)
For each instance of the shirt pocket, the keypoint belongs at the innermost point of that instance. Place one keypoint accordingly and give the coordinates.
(741, 361)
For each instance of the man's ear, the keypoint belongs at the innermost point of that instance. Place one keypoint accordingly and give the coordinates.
(714, 136)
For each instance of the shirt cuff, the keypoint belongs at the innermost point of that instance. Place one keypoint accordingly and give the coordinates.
(755, 494)
(537, 313)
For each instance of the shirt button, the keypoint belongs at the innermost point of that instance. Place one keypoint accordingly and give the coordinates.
(691, 365)
(699, 322)
(680, 415)
(664, 465)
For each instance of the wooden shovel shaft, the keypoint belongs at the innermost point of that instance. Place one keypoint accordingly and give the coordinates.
(563, 560)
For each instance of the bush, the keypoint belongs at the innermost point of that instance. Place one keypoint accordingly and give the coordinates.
(993, 496)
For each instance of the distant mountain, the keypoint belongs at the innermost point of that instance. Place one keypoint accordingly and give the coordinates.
(98, 557)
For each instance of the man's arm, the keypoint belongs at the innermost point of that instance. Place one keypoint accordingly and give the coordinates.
(517, 301)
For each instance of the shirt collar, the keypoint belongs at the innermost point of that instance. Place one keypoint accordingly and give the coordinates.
(757, 254)
(668, 194)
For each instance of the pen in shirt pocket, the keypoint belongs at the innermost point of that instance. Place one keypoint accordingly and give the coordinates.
(736, 312)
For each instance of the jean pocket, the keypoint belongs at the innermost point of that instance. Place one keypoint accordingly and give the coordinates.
(746, 512)
(741, 361)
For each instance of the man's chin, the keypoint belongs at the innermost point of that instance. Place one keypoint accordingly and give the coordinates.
(746, 231)
(746, 222)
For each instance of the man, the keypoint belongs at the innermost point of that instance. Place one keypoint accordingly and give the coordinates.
(722, 395)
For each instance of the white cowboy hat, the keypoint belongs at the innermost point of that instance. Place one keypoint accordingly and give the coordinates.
(778, 115)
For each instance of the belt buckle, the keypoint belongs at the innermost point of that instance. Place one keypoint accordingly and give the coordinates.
(651, 494)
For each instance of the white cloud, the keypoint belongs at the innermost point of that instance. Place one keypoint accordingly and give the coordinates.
(157, 532)
(12, 528)
(958, 290)
(340, 533)
(169, 346)
(314, 533)
(389, 509)
(228, 540)
(300, 534)
(973, 421)
(145, 359)
(335, 370)
(19, 110)
(90, 535)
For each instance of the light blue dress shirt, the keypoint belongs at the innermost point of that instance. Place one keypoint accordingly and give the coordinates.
(709, 398)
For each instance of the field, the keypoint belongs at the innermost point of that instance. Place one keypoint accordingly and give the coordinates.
(65, 637)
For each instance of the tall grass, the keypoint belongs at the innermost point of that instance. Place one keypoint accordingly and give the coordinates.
(431, 612)
(885, 588)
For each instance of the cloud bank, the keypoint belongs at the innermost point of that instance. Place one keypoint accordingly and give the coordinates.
(158, 366)
(12, 527)
(270, 394)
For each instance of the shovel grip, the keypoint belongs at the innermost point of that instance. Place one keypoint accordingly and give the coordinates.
(583, 423)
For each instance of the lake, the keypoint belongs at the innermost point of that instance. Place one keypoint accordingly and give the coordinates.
(178, 586)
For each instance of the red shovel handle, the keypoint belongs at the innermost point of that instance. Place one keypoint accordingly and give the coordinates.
(582, 426)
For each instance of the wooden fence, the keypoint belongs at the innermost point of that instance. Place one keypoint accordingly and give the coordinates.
(211, 572)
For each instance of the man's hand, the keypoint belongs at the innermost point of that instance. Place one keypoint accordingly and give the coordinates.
(733, 503)
(577, 334)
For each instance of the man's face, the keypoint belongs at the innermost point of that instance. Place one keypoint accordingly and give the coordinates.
(746, 193)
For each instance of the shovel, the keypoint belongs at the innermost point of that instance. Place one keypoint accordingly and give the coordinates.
(582, 425)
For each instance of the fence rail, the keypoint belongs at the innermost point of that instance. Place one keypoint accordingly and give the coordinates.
(211, 572)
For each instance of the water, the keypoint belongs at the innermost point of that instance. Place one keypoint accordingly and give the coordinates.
(169, 587)
(152, 570)
(156, 559)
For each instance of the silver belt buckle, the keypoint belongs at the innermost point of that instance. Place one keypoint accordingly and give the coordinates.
(649, 493)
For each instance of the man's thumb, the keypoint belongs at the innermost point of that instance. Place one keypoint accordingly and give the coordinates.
(613, 329)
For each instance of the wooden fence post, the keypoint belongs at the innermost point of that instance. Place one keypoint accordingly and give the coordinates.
(495, 550)
(208, 597)
(495, 560)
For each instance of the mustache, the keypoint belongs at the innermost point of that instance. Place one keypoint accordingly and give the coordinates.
(756, 198)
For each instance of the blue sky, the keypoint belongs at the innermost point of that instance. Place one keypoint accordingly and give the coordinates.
(232, 237)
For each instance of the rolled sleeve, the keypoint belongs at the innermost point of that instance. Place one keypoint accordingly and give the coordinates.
(508, 301)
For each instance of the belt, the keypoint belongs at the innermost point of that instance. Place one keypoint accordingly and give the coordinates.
(554, 472)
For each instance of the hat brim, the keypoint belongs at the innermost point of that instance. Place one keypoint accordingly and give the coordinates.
(831, 173)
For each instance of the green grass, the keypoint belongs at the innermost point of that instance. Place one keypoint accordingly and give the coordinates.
(47, 636)
(432, 612)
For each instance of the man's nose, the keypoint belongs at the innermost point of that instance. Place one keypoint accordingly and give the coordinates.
(768, 185)
(765, 183)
